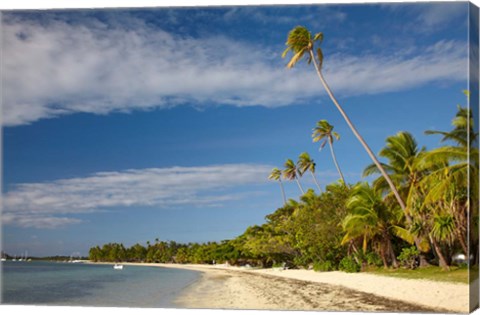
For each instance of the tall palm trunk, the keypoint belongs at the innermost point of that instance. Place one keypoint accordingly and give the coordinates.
(423, 261)
(359, 137)
(335, 161)
(316, 182)
(283, 191)
(300, 186)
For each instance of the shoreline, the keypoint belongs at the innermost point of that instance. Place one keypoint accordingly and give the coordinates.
(228, 287)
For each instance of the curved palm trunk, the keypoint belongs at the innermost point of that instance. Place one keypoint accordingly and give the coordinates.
(423, 261)
(335, 161)
(359, 137)
(316, 182)
(300, 186)
(283, 191)
(441, 259)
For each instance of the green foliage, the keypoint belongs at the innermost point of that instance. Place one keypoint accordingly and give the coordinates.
(373, 259)
(323, 266)
(409, 257)
(348, 264)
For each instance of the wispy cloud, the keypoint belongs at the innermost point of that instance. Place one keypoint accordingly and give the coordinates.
(313, 16)
(57, 68)
(430, 16)
(439, 15)
(52, 204)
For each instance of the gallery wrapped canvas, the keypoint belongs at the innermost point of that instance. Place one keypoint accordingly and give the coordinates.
(254, 157)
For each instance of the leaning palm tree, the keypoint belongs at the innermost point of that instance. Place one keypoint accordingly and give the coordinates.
(290, 173)
(301, 43)
(276, 174)
(306, 163)
(324, 131)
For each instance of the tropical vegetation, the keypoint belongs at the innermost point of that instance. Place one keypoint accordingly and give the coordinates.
(418, 207)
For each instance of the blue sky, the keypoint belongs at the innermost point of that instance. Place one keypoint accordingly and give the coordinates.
(131, 125)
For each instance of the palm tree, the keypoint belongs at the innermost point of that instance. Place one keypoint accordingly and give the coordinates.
(405, 165)
(276, 174)
(324, 131)
(290, 173)
(449, 189)
(369, 220)
(406, 168)
(301, 43)
(306, 163)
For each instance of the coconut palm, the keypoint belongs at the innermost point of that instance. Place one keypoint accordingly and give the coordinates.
(276, 174)
(448, 186)
(405, 165)
(369, 220)
(306, 163)
(301, 43)
(324, 131)
(406, 168)
(290, 173)
(463, 133)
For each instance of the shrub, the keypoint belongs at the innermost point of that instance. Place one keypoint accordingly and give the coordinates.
(409, 257)
(279, 265)
(348, 264)
(323, 266)
(373, 259)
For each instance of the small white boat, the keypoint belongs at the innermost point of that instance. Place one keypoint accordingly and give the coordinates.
(118, 267)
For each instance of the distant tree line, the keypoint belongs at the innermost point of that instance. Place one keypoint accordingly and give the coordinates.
(166, 252)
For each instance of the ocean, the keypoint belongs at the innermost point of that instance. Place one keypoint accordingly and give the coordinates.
(68, 284)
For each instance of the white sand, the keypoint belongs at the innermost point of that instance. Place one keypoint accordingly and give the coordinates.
(229, 287)
(435, 294)
(443, 296)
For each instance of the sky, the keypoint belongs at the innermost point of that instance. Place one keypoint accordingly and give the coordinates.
(127, 125)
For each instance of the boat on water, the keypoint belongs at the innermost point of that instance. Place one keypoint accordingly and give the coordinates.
(118, 267)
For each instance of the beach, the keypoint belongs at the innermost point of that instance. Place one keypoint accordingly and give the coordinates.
(227, 287)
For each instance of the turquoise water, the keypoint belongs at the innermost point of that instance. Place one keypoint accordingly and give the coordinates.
(50, 283)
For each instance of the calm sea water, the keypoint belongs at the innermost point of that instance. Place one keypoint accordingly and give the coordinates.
(50, 283)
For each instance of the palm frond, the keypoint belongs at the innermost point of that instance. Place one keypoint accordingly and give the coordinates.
(320, 57)
(295, 59)
(404, 234)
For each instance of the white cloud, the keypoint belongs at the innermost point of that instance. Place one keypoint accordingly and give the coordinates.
(55, 68)
(443, 61)
(50, 204)
(430, 17)
(40, 222)
(439, 15)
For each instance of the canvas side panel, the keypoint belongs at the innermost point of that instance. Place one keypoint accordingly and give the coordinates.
(474, 188)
